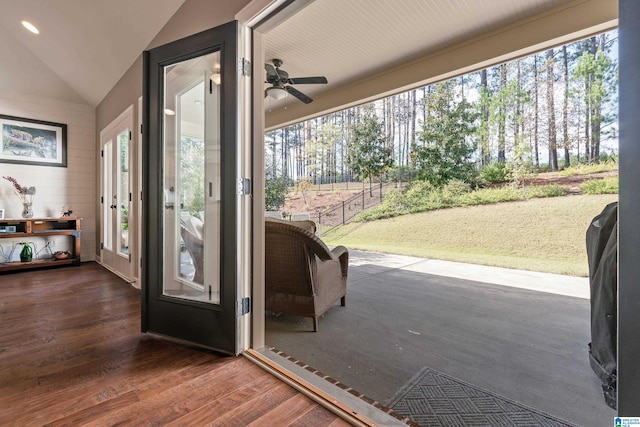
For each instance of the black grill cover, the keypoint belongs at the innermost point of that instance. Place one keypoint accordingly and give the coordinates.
(602, 255)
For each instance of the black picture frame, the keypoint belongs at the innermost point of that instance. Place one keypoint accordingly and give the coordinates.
(32, 142)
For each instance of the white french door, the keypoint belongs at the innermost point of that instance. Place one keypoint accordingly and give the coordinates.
(117, 231)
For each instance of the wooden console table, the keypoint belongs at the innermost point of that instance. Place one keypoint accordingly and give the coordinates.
(23, 229)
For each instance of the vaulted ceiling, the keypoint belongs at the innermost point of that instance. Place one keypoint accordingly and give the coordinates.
(85, 46)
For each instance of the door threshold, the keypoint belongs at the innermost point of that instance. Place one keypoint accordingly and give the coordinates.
(341, 402)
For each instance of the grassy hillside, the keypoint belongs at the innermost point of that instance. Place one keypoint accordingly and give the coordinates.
(545, 235)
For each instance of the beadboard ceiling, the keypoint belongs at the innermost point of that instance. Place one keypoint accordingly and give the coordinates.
(349, 40)
(85, 46)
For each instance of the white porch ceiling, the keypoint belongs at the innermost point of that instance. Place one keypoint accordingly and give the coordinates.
(85, 46)
(356, 40)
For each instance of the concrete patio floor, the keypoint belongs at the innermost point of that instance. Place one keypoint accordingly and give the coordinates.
(520, 334)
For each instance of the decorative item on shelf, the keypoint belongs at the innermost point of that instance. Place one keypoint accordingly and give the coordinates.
(26, 255)
(66, 211)
(27, 211)
(60, 255)
(26, 196)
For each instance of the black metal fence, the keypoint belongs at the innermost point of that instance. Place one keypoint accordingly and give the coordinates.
(343, 212)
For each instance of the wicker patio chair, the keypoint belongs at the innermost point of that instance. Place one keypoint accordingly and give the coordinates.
(195, 247)
(303, 277)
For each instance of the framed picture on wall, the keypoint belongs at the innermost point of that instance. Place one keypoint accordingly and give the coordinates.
(33, 142)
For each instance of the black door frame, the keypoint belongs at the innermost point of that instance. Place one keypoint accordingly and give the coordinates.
(162, 315)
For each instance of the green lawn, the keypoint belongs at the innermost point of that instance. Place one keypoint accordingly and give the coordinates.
(546, 235)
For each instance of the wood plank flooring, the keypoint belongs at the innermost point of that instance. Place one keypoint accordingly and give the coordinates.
(71, 353)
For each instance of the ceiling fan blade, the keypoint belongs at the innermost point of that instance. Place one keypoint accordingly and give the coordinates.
(295, 92)
(271, 71)
(308, 80)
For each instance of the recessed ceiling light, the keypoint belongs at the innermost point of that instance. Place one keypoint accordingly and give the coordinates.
(29, 26)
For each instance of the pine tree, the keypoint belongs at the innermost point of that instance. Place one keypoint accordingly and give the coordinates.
(368, 154)
(445, 153)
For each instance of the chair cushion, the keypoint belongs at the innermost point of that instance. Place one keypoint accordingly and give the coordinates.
(193, 224)
(307, 225)
(198, 226)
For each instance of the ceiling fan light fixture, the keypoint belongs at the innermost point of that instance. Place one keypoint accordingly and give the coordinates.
(281, 83)
(29, 26)
(276, 93)
(216, 77)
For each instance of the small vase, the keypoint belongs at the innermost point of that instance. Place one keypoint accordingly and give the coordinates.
(27, 211)
(27, 253)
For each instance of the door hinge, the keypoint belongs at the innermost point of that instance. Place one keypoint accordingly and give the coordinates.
(140, 262)
(101, 245)
(101, 153)
(245, 67)
(244, 186)
(101, 199)
(130, 197)
(141, 129)
(244, 306)
(130, 135)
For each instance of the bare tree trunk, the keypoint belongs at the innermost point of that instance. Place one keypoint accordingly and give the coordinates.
(274, 158)
(391, 140)
(596, 119)
(285, 153)
(587, 121)
(414, 117)
(565, 109)
(485, 153)
(398, 121)
(302, 169)
(390, 119)
(517, 117)
(536, 112)
(553, 149)
(425, 92)
(588, 111)
(408, 120)
(502, 137)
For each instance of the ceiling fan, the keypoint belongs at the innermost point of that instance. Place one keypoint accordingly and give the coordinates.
(280, 82)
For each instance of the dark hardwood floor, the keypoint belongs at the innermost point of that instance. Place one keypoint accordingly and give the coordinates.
(71, 353)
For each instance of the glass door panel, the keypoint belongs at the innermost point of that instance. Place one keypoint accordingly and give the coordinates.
(123, 194)
(108, 212)
(192, 179)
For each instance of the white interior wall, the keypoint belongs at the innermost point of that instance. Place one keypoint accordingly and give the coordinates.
(73, 186)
